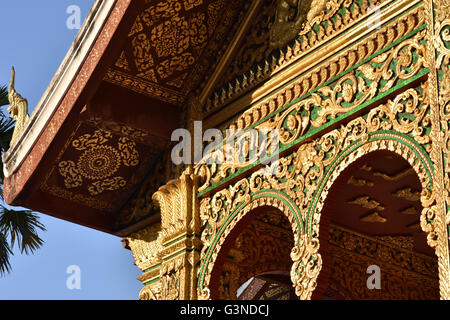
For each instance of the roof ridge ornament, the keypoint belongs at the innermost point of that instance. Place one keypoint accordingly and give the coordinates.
(18, 108)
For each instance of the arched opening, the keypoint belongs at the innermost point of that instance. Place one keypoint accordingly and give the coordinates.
(371, 241)
(254, 261)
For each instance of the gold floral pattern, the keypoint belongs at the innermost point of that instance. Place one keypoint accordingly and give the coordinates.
(98, 162)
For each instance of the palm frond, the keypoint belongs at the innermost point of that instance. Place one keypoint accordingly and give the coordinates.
(5, 252)
(21, 227)
(4, 96)
(6, 132)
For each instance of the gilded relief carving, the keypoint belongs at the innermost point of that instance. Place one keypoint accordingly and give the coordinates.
(348, 93)
(290, 18)
(308, 170)
(438, 56)
(256, 60)
(146, 246)
(264, 245)
(18, 108)
(388, 79)
(406, 274)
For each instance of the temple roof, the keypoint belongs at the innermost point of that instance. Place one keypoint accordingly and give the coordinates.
(108, 114)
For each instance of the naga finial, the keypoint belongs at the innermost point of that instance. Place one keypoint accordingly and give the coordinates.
(18, 108)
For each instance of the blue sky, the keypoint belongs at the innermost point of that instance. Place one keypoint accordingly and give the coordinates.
(35, 40)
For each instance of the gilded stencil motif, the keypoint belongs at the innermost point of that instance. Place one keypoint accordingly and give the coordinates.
(438, 19)
(166, 41)
(98, 162)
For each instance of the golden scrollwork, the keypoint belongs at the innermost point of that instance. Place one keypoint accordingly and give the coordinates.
(348, 93)
(299, 174)
(180, 227)
(177, 202)
(264, 245)
(407, 274)
(438, 22)
(411, 119)
(306, 267)
(151, 292)
(311, 36)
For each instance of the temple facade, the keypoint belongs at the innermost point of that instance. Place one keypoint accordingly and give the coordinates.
(264, 149)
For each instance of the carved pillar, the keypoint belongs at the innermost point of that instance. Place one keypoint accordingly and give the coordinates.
(146, 248)
(438, 21)
(180, 237)
(168, 251)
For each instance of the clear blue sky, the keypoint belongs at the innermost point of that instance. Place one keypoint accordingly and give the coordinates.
(35, 40)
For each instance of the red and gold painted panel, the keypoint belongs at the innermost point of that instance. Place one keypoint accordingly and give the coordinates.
(172, 44)
(98, 168)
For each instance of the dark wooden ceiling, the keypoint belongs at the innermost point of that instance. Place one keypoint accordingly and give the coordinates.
(379, 195)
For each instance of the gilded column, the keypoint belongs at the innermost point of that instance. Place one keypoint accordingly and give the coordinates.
(438, 58)
(180, 237)
(146, 246)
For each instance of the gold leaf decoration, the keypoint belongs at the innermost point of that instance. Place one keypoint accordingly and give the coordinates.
(98, 162)
(407, 194)
(360, 182)
(367, 202)
(373, 217)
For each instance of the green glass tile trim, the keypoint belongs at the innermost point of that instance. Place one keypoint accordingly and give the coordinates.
(344, 32)
(152, 282)
(152, 268)
(288, 201)
(314, 131)
(181, 238)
